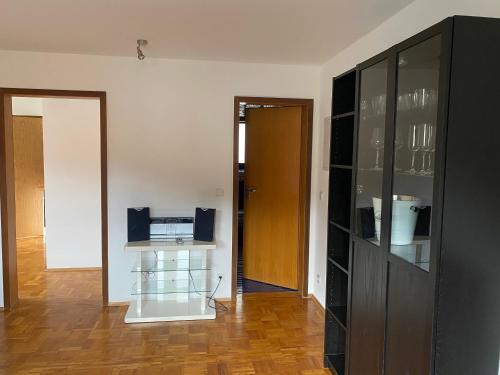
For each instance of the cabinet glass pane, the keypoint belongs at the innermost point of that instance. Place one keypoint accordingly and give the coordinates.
(414, 148)
(372, 108)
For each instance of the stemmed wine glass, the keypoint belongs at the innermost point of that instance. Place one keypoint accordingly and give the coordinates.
(413, 145)
(363, 109)
(423, 140)
(398, 144)
(430, 147)
(377, 143)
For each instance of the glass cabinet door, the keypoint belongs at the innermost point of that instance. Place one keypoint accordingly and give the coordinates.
(372, 115)
(414, 149)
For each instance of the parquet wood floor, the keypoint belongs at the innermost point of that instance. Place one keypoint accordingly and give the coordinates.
(60, 327)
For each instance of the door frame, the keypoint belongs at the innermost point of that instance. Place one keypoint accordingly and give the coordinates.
(7, 186)
(307, 106)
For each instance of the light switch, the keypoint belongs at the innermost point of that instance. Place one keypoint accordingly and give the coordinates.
(219, 192)
(321, 195)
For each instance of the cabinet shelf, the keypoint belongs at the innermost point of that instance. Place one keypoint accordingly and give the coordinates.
(340, 315)
(397, 173)
(341, 140)
(335, 343)
(336, 362)
(342, 115)
(416, 253)
(411, 114)
(337, 262)
(341, 227)
(343, 94)
(341, 166)
(337, 284)
(340, 196)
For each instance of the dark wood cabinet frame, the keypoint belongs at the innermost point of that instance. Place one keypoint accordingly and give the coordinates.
(7, 194)
(389, 260)
(305, 184)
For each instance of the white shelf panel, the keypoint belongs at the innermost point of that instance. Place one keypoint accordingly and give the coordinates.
(167, 265)
(169, 245)
(171, 286)
(167, 311)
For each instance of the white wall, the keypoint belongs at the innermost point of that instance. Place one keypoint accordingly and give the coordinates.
(72, 171)
(170, 133)
(414, 18)
(22, 106)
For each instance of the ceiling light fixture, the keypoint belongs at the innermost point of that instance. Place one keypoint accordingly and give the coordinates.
(141, 43)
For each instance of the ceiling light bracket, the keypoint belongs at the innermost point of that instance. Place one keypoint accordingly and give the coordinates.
(141, 43)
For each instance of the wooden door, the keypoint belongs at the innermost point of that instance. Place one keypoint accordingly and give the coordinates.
(29, 176)
(272, 185)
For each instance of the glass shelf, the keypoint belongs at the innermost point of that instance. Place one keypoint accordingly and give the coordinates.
(417, 253)
(379, 170)
(171, 286)
(408, 173)
(171, 265)
(399, 172)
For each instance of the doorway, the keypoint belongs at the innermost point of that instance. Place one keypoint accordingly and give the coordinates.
(54, 176)
(272, 149)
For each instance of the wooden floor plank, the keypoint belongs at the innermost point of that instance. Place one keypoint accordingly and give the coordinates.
(61, 327)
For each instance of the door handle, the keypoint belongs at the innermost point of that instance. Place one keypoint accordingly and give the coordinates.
(248, 190)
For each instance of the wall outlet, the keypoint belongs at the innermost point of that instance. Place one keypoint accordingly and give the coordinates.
(321, 195)
(219, 192)
(318, 278)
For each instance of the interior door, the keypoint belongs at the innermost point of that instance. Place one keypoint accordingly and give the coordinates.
(29, 175)
(272, 177)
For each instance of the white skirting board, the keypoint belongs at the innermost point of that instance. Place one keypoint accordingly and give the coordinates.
(168, 310)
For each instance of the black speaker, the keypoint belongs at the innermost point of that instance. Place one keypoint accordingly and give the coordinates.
(204, 224)
(138, 224)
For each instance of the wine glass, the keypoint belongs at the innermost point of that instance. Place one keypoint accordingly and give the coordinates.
(421, 98)
(377, 143)
(430, 147)
(423, 141)
(413, 146)
(398, 144)
(378, 104)
(363, 108)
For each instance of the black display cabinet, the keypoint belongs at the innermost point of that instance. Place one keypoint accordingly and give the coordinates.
(420, 257)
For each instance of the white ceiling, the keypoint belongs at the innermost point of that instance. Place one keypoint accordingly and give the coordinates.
(270, 31)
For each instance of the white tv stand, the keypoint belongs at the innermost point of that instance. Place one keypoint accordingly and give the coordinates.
(172, 281)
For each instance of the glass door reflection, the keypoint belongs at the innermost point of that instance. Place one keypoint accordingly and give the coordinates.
(413, 179)
(372, 115)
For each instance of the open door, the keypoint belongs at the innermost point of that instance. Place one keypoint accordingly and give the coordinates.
(272, 187)
(29, 176)
(8, 203)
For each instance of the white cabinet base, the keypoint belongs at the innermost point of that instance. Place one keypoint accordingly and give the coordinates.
(168, 310)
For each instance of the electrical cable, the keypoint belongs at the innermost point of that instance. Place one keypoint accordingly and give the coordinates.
(211, 298)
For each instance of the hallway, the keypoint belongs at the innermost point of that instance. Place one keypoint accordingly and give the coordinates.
(60, 327)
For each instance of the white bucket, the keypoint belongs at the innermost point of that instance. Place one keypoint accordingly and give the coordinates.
(377, 213)
(404, 218)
